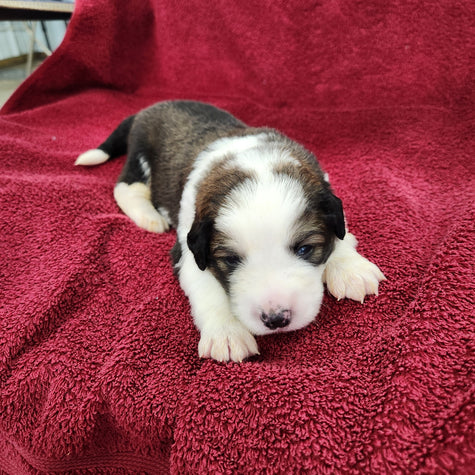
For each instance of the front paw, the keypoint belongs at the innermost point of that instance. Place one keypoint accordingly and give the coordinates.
(227, 343)
(352, 277)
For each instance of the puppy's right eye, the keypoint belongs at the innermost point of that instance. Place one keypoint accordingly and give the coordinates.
(232, 260)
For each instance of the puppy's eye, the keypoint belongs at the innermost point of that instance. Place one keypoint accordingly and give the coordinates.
(232, 260)
(304, 252)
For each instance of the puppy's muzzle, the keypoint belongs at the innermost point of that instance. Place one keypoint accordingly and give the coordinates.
(278, 319)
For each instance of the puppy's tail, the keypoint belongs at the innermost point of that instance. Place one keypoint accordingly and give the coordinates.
(114, 146)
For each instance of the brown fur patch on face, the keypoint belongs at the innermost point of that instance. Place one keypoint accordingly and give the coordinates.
(309, 177)
(313, 238)
(212, 193)
(316, 227)
(217, 185)
(223, 258)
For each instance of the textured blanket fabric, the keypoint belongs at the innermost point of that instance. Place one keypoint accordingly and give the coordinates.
(99, 370)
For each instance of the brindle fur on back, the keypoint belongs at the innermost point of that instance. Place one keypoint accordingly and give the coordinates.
(172, 135)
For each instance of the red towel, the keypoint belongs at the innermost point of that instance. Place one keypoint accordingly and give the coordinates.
(99, 369)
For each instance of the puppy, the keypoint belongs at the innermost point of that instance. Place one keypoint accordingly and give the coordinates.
(259, 230)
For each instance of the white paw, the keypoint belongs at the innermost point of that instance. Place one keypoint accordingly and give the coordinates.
(135, 201)
(352, 277)
(150, 221)
(231, 342)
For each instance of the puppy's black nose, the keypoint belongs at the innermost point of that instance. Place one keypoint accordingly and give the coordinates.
(273, 320)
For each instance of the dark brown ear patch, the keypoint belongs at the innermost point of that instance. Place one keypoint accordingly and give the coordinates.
(332, 209)
(198, 240)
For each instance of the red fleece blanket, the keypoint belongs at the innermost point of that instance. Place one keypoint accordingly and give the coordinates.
(99, 371)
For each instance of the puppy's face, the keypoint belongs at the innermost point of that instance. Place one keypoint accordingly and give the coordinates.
(267, 242)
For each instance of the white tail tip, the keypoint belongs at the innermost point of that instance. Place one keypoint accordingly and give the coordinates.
(92, 157)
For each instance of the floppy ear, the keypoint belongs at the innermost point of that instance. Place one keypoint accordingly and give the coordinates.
(198, 240)
(333, 212)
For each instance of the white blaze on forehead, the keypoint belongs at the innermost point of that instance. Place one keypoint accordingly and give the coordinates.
(261, 214)
(265, 207)
(262, 211)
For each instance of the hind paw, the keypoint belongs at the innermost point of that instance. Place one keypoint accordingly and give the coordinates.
(134, 200)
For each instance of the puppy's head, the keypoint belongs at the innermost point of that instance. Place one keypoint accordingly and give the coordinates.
(265, 230)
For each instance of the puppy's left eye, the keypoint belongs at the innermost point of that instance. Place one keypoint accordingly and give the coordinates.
(304, 252)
